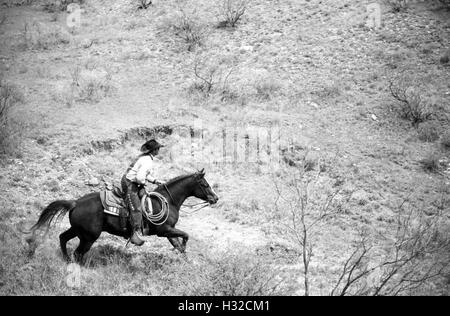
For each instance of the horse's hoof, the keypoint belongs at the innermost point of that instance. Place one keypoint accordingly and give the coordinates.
(186, 258)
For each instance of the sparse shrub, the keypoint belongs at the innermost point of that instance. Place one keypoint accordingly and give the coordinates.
(267, 87)
(445, 140)
(329, 90)
(398, 5)
(302, 158)
(428, 132)
(9, 96)
(186, 26)
(89, 86)
(445, 58)
(231, 11)
(144, 4)
(94, 89)
(411, 105)
(431, 162)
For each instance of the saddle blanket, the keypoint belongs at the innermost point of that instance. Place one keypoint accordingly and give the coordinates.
(112, 203)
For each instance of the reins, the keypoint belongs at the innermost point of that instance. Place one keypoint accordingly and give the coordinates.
(170, 194)
(204, 203)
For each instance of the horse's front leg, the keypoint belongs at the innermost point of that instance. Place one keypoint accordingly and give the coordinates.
(173, 233)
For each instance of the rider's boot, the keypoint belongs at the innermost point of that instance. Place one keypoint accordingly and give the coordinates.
(136, 219)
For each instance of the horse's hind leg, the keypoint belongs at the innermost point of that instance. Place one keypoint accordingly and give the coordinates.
(175, 243)
(82, 248)
(63, 239)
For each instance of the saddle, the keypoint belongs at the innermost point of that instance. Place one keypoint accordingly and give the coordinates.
(114, 204)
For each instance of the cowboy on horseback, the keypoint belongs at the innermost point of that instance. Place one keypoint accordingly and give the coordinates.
(140, 171)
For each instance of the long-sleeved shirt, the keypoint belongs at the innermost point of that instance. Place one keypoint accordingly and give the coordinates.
(142, 170)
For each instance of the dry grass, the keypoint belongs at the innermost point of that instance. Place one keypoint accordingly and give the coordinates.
(431, 162)
(112, 270)
(37, 36)
(428, 132)
(445, 140)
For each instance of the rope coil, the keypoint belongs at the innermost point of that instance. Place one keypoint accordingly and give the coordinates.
(147, 208)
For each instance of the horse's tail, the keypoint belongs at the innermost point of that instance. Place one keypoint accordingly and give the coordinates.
(57, 208)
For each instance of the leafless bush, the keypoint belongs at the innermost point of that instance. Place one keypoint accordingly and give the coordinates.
(306, 209)
(231, 11)
(411, 105)
(211, 75)
(417, 256)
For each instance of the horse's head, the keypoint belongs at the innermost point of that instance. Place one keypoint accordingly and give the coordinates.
(203, 190)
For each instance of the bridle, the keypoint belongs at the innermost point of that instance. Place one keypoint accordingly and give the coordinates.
(204, 203)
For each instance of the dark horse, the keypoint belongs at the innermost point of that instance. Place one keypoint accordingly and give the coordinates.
(88, 219)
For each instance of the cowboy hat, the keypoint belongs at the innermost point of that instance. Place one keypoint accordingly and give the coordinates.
(150, 145)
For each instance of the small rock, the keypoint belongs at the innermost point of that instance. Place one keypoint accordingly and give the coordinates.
(93, 182)
(361, 197)
(86, 43)
(314, 105)
(246, 49)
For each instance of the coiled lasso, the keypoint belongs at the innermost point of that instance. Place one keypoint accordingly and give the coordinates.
(147, 208)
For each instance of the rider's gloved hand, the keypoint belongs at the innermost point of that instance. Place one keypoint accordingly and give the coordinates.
(157, 182)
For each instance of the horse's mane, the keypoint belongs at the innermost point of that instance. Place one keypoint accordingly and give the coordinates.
(179, 178)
